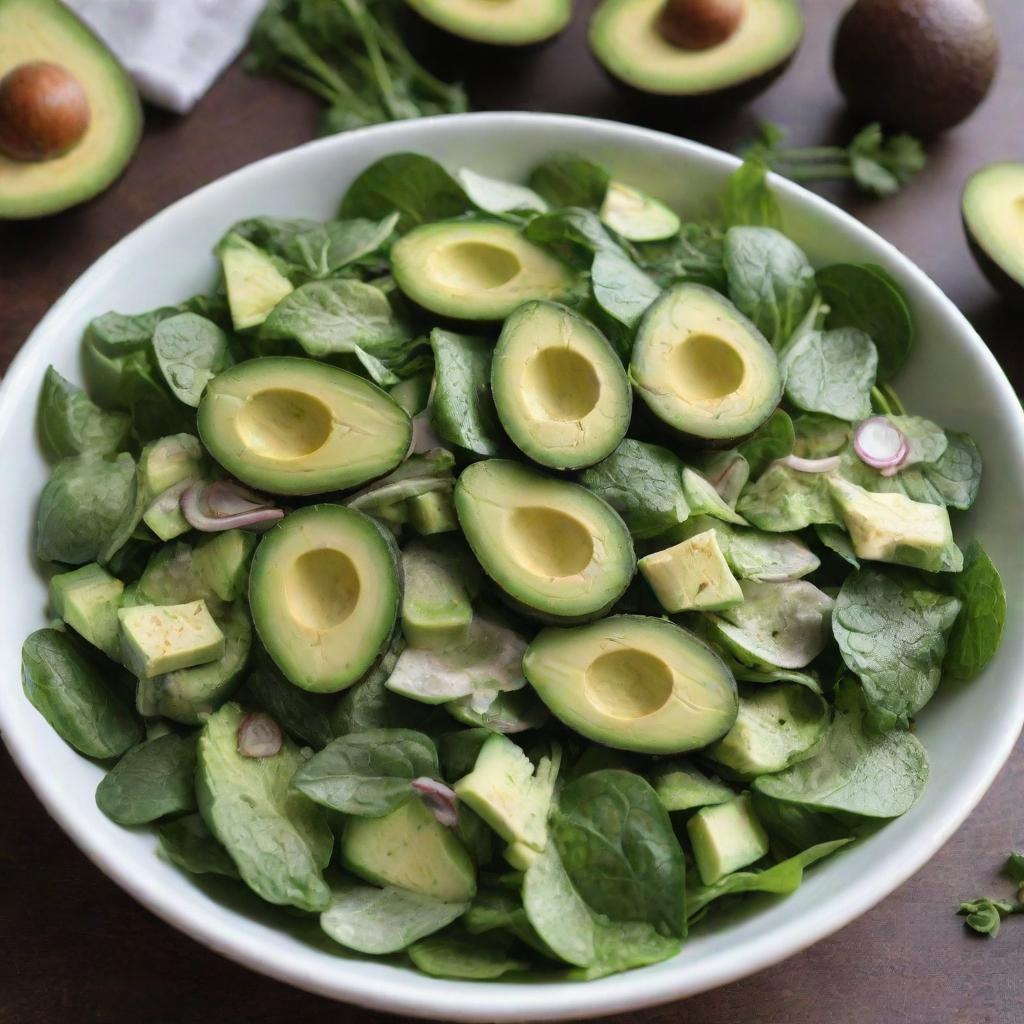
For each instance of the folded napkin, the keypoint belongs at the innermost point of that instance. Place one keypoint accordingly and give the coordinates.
(174, 49)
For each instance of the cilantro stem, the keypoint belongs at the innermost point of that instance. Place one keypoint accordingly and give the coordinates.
(811, 153)
(815, 172)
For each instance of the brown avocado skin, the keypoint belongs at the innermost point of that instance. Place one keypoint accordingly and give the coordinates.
(918, 65)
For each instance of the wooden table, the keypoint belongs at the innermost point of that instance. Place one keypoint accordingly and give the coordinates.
(75, 949)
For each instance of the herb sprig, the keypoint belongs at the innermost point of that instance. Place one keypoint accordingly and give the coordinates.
(985, 915)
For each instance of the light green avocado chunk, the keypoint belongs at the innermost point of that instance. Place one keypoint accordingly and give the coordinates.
(520, 856)
(410, 849)
(515, 23)
(725, 838)
(88, 599)
(440, 581)
(432, 512)
(510, 794)
(156, 639)
(169, 460)
(634, 682)
(278, 838)
(252, 279)
(222, 561)
(681, 786)
(559, 388)
(636, 216)
(692, 575)
(893, 528)
(475, 270)
(164, 516)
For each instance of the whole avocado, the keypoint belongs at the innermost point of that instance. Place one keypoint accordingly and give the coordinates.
(919, 65)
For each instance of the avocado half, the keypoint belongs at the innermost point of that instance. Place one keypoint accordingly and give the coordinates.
(508, 23)
(45, 30)
(628, 37)
(993, 216)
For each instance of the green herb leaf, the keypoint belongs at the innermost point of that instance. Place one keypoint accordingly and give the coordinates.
(831, 372)
(570, 180)
(151, 781)
(773, 440)
(456, 954)
(71, 424)
(978, 628)
(188, 843)
(884, 165)
(621, 288)
(748, 198)
(190, 351)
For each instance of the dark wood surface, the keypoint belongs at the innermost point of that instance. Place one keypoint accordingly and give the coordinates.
(75, 949)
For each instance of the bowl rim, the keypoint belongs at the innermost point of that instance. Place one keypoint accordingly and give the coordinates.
(469, 1001)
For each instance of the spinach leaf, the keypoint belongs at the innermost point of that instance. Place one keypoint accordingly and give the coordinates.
(572, 234)
(155, 411)
(819, 435)
(644, 484)
(71, 424)
(72, 695)
(152, 780)
(836, 539)
(770, 280)
(495, 196)
(121, 334)
(381, 921)
(773, 440)
(82, 505)
(295, 710)
(831, 372)
(495, 909)
(567, 179)
(190, 351)
(419, 189)
(704, 499)
(953, 480)
(892, 633)
(926, 441)
(188, 843)
(783, 499)
(764, 557)
(695, 255)
(621, 288)
(462, 411)
(368, 774)
(859, 296)
(748, 198)
(457, 954)
(978, 628)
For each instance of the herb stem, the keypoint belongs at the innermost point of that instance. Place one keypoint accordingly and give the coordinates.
(813, 172)
(810, 153)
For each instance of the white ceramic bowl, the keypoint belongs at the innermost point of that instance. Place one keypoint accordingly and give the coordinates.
(953, 378)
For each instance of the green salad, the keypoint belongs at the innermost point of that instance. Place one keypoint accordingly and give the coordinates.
(506, 575)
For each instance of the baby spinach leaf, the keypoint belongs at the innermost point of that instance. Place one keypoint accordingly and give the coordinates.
(926, 441)
(457, 954)
(773, 440)
(155, 412)
(573, 235)
(120, 334)
(819, 435)
(695, 254)
(783, 499)
(704, 500)
(953, 480)
(495, 909)
(188, 843)
(836, 539)
(985, 915)
(495, 196)
(748, 198)
(190, 351)
(74, 697)
(295, 710)
(831, 372)
(152, 780)
(381, 921)
(567, 179)
(978, 628)
(72, 424)
(892, 633)
(753, 555)
(368, 773)
(621, 288)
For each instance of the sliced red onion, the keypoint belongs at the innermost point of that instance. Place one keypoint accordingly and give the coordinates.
(881, 445)
(259, 736)
(828, 465)
(228, 498)
(200, 516)
(440, 799)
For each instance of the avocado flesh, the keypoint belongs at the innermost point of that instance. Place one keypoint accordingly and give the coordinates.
(475, 270)
(556, 550)
(725, 838)
(625, 39)
(252, 280)
(298, 426)
(692, 575)
(560, 390)
(993, 213)
(636, 216)
(508, 23)
(157, 639)
(44, 30)
(702, 368)
(87, 599)
(635, 683)
(437, 607)
(324, 589)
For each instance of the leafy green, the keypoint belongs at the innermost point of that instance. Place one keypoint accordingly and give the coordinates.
(682, 787)
(836, 539)
(190, 351)
(155, 411)
(568, 179)
(784, 499)
(188, 843)
(831, 372)
(621, 288)
(953, 480)
(695, 254)
(773, 440)
(978, 628)
(926, 441)
(295, 710)
(491, 195)
(456, 954)
(985, 915)
(1014, 867)
(748, 199)
(72, 424)
(151, 781)
(704, 499)
(572, 234)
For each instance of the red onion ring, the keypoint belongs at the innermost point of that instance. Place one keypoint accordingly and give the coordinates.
(801, 465)
(881, 445)
(259, 736)
(440, 799)
(204, 519)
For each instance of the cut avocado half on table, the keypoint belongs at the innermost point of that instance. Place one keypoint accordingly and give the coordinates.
(46, 165)
(298, 426)
(324, 589)
(506, 23)
(636, 216)
(635, 683)
(993, 213)
(475, 270)
(681, 48)
(702, 368)
(559, 388)
(555, 550)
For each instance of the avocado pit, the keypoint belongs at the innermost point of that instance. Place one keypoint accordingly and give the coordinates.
(699, 24)
(44, 112)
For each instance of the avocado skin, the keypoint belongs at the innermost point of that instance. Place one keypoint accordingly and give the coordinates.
(1005, 283)
(917, 65)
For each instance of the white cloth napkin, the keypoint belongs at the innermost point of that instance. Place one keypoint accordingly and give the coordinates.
(174, 49)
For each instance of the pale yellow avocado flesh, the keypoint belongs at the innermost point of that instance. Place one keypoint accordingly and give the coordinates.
(692, 575)
(502, 22)
(254, 285)
(156, 639)
(625, 38)
(635, 683)
(725, 838)
(994, 209)
(637, 216)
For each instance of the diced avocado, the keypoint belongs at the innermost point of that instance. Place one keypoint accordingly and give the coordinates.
(432, 512)
(520, 856)
(156, 639)
(164, 516)
(298, 426)
(253, 281)
(87, 599)
(222, 561)
(324, 589)
(725, 838)
(702, 368)
(475, 270)
(169, 460)
(437, 605)
(893, 528)
(635, 215)
(993, 217)
(171, 577)
(778, 724)
(634, 682)
(509, 794)
(681, 787)
(555, 549)
(411, 849)
(510, 23)
(559, 388)
(692, 575)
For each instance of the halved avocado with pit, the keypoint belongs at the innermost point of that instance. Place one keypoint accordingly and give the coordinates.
(324, 590)
(475, 270)
(635, 683)
(506, 23)
(298, 426)
(556, 551)
(702, 368)
(993, 214)
(559, 388)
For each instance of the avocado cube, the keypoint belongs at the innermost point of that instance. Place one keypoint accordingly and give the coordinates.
(433, 512)
(222, 562)
(725, 838)
(436, 609)
(520, 856)
(692, 576)
(164, 517)
(87, 599)
(156, 639)
(254, 283)
(167, 461)
(681, 787)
